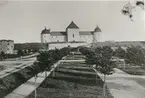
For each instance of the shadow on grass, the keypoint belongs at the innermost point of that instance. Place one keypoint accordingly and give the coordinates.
(78, 68)
(73, 64)
(83, 79)
(77, 74)
(87, 82)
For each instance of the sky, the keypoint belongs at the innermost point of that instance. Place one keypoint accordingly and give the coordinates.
(23, 21)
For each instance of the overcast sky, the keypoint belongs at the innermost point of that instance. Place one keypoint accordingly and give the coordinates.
(24, 21)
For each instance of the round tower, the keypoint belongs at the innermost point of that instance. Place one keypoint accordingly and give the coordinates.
(45, 36)
(97, 34)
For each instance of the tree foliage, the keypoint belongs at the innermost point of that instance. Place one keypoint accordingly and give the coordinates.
(20, 53)
(101, 57)
(135, 56)
(119, 52)
(2, 55)
(47, 58)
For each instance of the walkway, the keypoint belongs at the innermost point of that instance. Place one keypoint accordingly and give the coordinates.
(123, 85)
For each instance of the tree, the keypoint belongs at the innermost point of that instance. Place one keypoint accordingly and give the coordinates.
(36, 69)
(119, 52)
(2, 55)
(45, 61)
(101, 57)
(20, 53)
(135, 56)
(105, 66)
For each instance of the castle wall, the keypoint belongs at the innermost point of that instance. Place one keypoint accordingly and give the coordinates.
(7, 46)
(59, 38)
(86, 38)
(62, 45)
(73, 35)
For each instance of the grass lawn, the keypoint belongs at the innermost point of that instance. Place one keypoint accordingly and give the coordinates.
(72, 80)
(134, 70)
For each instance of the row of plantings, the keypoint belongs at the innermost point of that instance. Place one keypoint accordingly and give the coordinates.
(44, 62)
(71, 80)
(131, 59)
(134, 58)
(101, 58)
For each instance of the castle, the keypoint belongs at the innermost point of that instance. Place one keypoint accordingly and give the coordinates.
(71, 37)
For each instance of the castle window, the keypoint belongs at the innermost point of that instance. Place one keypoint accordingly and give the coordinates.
(73, 35)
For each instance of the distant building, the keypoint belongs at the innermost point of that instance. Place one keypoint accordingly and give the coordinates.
(70, 37)
(7, 46)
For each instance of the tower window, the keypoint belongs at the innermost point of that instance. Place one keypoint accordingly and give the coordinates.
(73, 35)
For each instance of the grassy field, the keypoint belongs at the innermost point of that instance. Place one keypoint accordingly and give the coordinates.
(71, 80)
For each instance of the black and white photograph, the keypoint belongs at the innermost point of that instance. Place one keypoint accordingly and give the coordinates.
(72, 49)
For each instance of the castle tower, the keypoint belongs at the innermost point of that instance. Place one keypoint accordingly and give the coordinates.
(45, 36)
(73, 32)
(97, 35)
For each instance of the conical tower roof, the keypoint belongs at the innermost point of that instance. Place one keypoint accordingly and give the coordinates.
(97, 29)
(72, 25)
(46, 31)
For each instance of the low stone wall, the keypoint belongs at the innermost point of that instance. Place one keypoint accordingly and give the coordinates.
(62, 45)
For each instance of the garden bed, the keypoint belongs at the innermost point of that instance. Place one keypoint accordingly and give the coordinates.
(68, 83)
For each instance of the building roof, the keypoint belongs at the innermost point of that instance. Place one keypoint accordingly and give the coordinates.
(58, 33)
(86, 32)
(97, 29)
(46, 31)
(72, 25)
